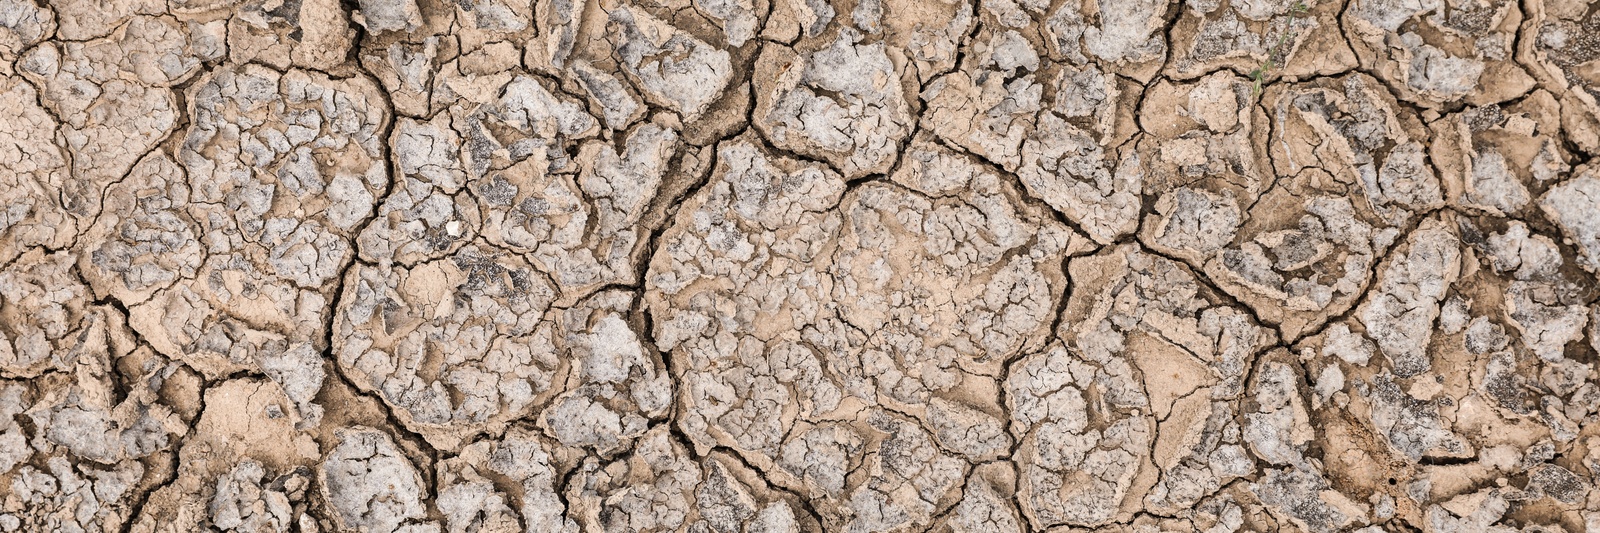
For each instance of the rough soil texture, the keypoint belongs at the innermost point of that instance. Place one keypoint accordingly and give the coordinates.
(782, 266)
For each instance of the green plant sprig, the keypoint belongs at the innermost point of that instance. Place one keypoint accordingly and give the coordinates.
(1259, 75)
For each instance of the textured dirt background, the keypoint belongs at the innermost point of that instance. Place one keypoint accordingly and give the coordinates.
(769, 266)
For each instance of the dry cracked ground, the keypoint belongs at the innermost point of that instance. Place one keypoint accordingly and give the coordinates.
(782, 266)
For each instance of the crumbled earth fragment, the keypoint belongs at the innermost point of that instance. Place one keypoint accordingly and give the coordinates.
(672, 68)
(1498, 158)
(1435, 53)
(799, 266)
(243, 467)
(839, 100)
(368, 484)
(458, 341)
(1557, 42)
(475, 488)
(1405, 303)
(113, 96)
(1347, 172)
(1147, 360)
(1302, 37)
(35, 168)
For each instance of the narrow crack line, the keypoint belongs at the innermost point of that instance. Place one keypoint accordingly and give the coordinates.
(141, 499)
(806, 503)
(1378, 262)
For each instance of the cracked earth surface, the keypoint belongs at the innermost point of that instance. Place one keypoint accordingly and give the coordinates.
(782, 266)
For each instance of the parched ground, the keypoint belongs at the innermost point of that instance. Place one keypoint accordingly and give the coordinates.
(782, 266)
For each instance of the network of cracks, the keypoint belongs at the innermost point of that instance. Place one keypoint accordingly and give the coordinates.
(783, 266)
